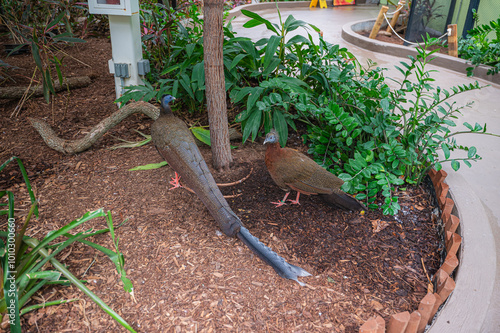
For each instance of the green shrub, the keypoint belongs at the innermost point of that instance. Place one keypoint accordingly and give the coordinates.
(480, 49)
(378, 138)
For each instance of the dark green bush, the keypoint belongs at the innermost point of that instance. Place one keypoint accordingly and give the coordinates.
(480, 49)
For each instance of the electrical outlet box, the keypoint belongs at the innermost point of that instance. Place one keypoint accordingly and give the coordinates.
(122, 70)
(143, 67)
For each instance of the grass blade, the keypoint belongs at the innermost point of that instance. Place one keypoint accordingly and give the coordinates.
(60, 267)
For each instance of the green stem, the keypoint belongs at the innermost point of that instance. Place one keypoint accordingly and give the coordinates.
(42, 305)
(466, 132)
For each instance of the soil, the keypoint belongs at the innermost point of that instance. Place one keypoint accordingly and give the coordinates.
(187, 276)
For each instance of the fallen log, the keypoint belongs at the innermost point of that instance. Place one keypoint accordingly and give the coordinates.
(17, 92)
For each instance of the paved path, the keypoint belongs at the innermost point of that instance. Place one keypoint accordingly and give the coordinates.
(479, 185)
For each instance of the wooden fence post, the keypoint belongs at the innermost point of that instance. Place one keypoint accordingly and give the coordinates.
(452, 41)
(378, 22)
(395, 17)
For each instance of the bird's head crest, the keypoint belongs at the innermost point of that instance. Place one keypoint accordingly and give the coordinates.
(272, 137)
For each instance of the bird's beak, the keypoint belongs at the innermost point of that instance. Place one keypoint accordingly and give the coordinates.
(265, 141)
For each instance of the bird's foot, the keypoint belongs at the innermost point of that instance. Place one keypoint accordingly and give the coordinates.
(176, 182)
(296, 201)
(279, 204)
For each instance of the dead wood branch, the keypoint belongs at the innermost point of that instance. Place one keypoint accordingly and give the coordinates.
(76, 146)
(17, 92)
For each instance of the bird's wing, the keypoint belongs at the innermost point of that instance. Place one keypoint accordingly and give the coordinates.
(301, 173)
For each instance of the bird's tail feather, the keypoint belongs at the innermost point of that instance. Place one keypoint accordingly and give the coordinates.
(343, 201)
(284, 269)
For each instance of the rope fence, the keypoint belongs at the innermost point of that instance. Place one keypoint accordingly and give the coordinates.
(452, 38)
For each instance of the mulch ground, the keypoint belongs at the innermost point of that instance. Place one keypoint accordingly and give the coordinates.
(187, 276)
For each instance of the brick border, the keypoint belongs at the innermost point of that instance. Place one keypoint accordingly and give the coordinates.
(417, 321)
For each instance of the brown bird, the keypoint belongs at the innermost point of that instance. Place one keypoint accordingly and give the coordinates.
(176, 145)
(292, 170)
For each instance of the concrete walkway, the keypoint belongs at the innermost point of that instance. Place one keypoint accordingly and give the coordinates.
(474, 306)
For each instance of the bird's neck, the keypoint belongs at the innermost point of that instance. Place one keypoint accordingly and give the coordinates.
(273, 148)
(165, 111)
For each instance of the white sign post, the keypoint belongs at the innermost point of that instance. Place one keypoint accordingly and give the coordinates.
(124, 24)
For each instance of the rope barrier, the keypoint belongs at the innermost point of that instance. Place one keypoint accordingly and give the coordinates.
(400, 3)
(447, 33)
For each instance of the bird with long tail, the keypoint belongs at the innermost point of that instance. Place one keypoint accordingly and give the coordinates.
(292, 170)
(176, 145)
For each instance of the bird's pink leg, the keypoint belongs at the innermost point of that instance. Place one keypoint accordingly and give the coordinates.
(296, 201)
(175, 182)
(282, 202)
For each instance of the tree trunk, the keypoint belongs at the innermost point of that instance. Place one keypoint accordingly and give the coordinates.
(215, 84)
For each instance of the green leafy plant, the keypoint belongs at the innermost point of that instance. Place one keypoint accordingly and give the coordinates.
(374, 137)
(479, 48)
(267, 62)
(24, 260)
(377, 138)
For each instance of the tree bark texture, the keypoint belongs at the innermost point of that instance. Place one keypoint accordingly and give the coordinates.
(76, 146)
(215, 83)
(37, 91)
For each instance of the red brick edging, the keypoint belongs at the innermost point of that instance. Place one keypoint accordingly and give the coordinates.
(404, 322)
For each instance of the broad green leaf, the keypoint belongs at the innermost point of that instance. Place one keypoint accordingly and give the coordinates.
(202, 134)
(149, 166)
(298, 39)
(252, 125)
(46, 275)
(271, 48)
(199, 73)
(281, 126)
(257, 20)
(446, 150)
(472, 152)
(455, 165)
(254, 97)
(236, 60)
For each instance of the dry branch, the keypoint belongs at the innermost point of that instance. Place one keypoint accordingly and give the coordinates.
(17, 92)
(77, 146)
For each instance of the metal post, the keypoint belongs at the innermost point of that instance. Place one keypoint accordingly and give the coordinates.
(126, 47)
